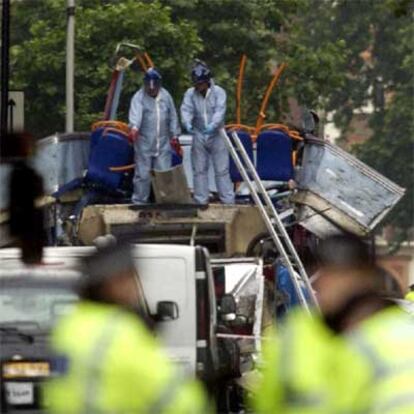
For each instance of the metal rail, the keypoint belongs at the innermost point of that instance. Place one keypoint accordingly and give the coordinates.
(276, 230)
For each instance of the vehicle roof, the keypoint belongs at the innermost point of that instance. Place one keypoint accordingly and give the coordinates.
(17, 274)
(41, 282)
(71, 253)
(63, 262)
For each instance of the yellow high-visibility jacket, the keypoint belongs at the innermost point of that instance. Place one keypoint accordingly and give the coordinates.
(297, 368)
(307, 369)
(110, 363)
(410, 296)
(385, 345)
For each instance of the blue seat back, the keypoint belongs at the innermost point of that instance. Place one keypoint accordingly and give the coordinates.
(246, 140)
(94, 139)
(274, 156)
(285, 286)
(109, 150)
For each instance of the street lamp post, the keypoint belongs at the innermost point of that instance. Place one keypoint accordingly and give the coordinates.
(5, 44)
(70, 65)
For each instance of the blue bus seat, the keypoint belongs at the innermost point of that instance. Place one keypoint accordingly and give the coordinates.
(285, 287)
(95, 137)
(274, 156)
(247, 142)
(108, 149)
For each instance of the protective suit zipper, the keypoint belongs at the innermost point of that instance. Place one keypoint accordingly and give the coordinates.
(205, 108)
(157, 111)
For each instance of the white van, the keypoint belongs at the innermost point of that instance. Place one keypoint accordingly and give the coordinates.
(174, 273)
(178, 274)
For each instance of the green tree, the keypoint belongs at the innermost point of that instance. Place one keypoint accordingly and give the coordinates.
(174, 32)
(38, 55)
(269, 32)
(391, 148)
(379, 40)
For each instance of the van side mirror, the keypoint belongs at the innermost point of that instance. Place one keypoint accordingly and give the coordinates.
(166, 311)
(228, 312)
(228, 308)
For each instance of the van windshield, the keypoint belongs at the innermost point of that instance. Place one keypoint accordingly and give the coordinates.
(34, 308)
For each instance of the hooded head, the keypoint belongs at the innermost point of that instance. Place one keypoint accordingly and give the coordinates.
(201, 76)
(152, 82)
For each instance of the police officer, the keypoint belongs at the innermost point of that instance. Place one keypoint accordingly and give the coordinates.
(154, 128)
(107, 361)
(378, 369)
(355, 357)
(202, 114)
(300, 360)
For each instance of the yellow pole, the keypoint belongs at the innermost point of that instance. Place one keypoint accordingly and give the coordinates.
(265, 101)
(239, 88)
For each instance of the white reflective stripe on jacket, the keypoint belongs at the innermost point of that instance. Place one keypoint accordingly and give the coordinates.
(386, 343)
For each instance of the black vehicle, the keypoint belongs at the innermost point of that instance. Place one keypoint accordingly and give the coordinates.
(31, 301)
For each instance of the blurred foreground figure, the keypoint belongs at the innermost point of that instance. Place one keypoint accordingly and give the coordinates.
(107, 360)
(380, 375)
(26, 223)
(356, 356)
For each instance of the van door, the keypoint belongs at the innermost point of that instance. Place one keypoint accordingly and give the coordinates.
(207, 351)
(167, 273)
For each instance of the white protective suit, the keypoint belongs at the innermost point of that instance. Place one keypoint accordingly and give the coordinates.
(200, 112)
(157, 122)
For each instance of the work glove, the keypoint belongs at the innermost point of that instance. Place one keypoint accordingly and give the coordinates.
(133, 135)
(208, 130)
(189, 128)
(176, 146)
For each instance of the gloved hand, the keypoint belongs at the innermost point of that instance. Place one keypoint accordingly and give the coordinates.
(189, 128)
(209, 129)
(176, 146)
(133, 135)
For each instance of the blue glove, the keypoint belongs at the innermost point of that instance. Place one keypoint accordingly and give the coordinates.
(189, 128)
(209, 129)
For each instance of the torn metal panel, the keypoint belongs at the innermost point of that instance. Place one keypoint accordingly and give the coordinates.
(245, 282)
(344, 189)
(315, 222)
(60, 158)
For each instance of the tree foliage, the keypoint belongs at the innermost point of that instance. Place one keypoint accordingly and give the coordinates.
(269, 32)
(39, 56)
(174, 32)
(376, 69)
(380, 68)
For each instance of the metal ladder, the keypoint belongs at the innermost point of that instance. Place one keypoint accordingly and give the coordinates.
(268, 212)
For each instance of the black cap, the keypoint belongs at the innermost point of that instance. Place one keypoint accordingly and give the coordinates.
(106, 263)
(344, 251)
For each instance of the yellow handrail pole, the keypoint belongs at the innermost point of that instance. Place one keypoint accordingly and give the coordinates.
(141, 62)
(239, 88)
(150, 63)
(265, 101)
